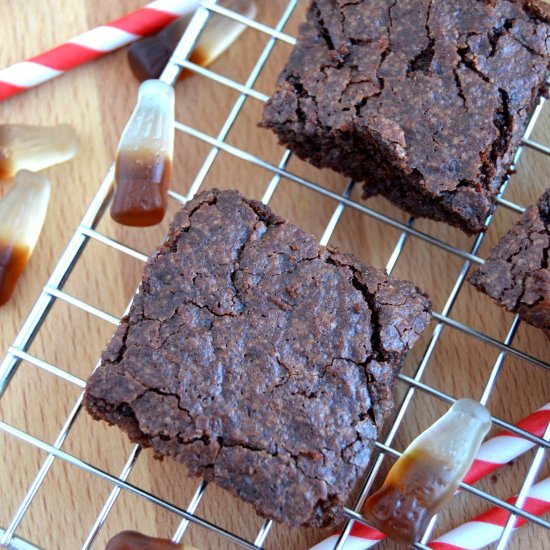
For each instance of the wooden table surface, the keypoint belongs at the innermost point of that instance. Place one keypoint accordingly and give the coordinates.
(97, 100)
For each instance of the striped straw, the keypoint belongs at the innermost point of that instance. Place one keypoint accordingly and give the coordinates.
(91, 45)
(487, 527)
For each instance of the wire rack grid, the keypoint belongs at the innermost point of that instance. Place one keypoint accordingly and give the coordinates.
(87, 231)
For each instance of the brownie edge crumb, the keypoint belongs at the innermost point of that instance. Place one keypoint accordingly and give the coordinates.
(516, 274)
(261, 360)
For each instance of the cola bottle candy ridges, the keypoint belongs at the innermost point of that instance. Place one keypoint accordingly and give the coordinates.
(148, 56)
(427, 474)
(24, 147)
(144, 158)
(22, 213)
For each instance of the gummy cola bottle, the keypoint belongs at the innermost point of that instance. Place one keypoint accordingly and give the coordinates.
(427, 474)
(144, 158)
(22, 213)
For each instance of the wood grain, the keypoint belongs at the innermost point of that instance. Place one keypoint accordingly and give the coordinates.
(97, 99)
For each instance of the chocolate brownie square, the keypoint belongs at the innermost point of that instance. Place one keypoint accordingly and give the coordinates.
(516, 274)
(425, 101)
(258, 358)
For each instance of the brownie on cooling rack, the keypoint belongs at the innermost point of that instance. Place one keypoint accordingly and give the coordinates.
(425, 101)
(258, 358)
(516, 274)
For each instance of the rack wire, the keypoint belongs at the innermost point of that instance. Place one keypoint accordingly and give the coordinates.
(87, 231)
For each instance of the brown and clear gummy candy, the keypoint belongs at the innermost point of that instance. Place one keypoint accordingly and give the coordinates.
(22, 214)
(132, 540)
(24, 147)
(148, 56)
(144, 158)
(427, 474)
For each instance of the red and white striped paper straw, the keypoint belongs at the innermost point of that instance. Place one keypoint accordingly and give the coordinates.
(91, 45)
(487, 527)
(507, 446)
(494, 453)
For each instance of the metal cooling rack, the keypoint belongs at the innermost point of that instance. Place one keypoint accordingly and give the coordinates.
(86, 231)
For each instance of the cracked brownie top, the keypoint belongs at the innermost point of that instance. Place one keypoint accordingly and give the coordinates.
(259, 358)
(424, 100)
(516, 274)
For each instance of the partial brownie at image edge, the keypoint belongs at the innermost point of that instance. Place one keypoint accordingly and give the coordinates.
(260, 359)
(516, 274)
(424, 101)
